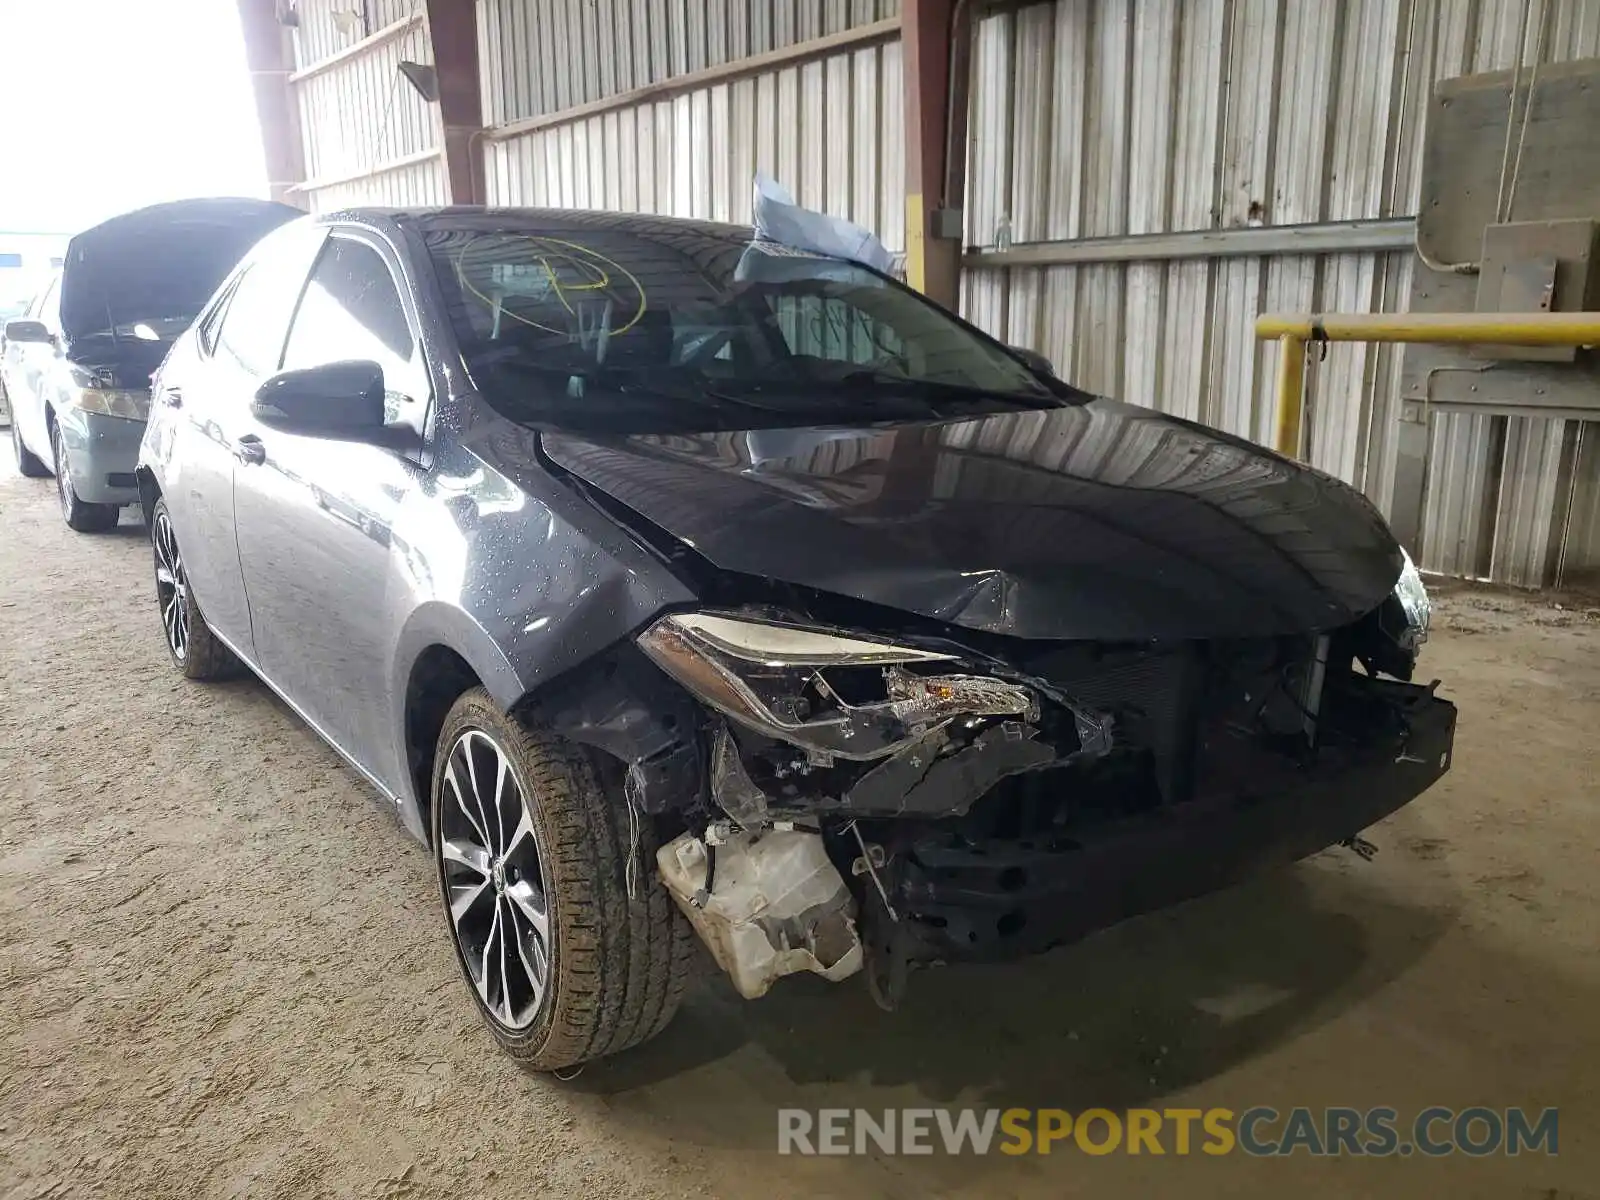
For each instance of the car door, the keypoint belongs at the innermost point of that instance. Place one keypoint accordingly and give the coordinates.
(28, 371)
(314, 514)
(237, 344)
(13, 362)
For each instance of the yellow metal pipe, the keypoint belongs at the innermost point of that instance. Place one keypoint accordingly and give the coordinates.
(1291, 393)
(1506, 329)
(1294, 330)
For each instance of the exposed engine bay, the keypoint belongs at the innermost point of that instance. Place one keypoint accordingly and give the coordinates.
(852, 801)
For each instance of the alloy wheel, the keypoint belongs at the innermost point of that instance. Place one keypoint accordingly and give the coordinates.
(172, 587)
(63, 479)
(493, 880)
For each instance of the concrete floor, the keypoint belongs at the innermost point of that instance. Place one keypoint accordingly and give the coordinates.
(222, 971)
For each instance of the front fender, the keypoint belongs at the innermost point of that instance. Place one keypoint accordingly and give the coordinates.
(514, 572)
(435, 623)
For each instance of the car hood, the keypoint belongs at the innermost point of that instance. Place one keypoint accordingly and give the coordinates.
(1102, 521)
(162, 261)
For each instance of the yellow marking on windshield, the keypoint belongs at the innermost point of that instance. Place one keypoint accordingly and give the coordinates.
(582, 261)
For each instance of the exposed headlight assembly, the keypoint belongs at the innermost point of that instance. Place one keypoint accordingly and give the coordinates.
(1413, 597)
(834, 694)
(87, 395)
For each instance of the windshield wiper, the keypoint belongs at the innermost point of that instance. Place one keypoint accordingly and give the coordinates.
(709, 396)
(860, 395)
(641, 383)
(867, 379)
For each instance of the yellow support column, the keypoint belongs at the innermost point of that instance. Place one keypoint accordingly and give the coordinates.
(916, 243)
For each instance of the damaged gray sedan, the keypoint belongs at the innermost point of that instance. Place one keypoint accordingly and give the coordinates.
(672, 584)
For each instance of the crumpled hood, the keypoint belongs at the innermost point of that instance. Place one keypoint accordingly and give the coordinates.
(1104, 521)
(161, 261)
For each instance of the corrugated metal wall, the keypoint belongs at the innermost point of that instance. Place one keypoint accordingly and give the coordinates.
(1091, 118)
(415, 185)
(328, 26)
(555, 54)
(1099, 118)
(830, 129)
(366, 132)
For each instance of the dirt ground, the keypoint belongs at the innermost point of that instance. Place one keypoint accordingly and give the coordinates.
(222, 972)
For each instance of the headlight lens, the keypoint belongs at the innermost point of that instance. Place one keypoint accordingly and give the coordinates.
(1413, 597)
(834, 694)
(88, 396)
(772, 644)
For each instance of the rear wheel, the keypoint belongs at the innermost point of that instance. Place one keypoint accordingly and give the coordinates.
(565, 960)
(27, 461)
(79, 514)
(193, 648)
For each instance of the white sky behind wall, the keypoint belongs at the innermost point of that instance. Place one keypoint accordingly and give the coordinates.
(109, 105)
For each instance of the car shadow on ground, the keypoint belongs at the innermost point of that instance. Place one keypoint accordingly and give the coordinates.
(1147, 1008)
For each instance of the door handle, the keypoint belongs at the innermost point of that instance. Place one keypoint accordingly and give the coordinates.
(172, 397)
(248, 449)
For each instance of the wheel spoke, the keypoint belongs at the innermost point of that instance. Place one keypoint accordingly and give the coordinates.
(505, 974)
(475, 820)
(489, 831)
(501, 772)
(164, 575)
(531, 954)
(474, 858)
(522, 832)
(164, 544)
(530, 902)
(462, 898)
(482, 979)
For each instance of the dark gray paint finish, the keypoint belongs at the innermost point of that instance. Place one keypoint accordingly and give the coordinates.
(1103, 521)
(355, 559)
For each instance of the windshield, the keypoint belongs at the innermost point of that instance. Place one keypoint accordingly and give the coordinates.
(602, 326)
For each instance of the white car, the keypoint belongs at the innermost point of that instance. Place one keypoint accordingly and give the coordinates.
(7, 311)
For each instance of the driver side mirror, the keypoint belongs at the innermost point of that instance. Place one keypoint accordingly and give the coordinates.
(1033, 360)
(24, 330)
(335, 400)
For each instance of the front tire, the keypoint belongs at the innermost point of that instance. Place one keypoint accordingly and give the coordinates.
(192, 647)
(28, 463)
(533, 859)
(78, 514)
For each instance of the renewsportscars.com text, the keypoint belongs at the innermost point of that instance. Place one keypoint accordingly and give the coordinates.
(1260, 1131)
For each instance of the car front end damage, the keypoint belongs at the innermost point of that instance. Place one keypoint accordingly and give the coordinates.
(847, 800)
